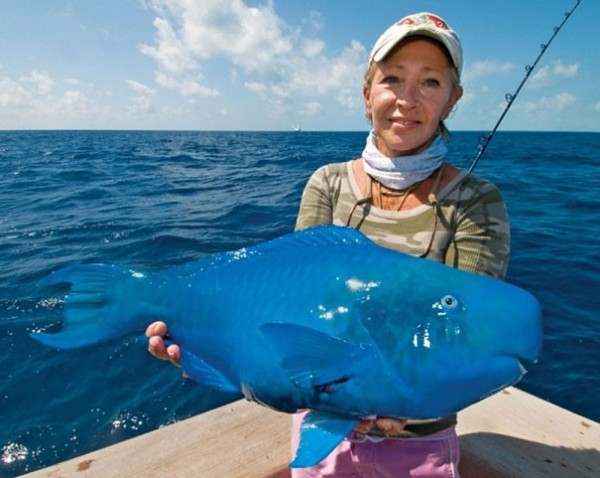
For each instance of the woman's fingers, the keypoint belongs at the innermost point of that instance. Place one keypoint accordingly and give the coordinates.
(157, 328)
(156, 332)
(390, 426)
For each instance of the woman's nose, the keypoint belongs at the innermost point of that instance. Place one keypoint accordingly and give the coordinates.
(406, 97)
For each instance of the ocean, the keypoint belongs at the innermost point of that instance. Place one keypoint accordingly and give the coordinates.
(158, 199)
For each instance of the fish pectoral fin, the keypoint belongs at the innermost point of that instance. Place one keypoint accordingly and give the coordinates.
(320, 433)
(313, 359)
(203, 372)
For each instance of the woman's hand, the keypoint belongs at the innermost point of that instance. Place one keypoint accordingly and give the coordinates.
(388, 426)
(156, 332)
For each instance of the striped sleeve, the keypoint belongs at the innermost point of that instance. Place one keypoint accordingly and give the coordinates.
(481, 239)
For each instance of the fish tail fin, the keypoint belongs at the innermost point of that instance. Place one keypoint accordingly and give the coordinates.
(97, 307)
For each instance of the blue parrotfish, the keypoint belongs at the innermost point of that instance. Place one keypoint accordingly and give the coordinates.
(322, 319)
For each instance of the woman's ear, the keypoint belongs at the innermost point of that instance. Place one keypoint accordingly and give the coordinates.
(456, 95)
(366, 97)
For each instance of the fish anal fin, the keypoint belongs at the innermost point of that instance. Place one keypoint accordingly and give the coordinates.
(320, 434)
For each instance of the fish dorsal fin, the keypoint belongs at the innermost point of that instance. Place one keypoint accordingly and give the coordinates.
(293, 243)
(300, 241)
(316, 237)
(320, 433)
(204, 265)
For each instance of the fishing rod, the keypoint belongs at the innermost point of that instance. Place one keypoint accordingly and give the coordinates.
(510, 98)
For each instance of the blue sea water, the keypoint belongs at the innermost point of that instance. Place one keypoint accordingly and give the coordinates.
(159, 199)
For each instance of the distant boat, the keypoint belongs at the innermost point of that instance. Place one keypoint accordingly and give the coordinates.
(297, 129)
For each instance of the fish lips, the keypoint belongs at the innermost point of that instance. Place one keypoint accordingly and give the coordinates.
(512, 333)
(524, 341)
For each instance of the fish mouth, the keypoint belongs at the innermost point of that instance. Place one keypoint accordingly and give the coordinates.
(518, 363)
(529, 351)
(522, 368)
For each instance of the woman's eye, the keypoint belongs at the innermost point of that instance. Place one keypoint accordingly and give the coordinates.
(431, 82)
(390, 79)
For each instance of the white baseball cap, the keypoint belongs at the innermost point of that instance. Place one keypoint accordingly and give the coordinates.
(426, 24)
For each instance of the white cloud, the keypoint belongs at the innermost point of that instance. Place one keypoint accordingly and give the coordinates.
(272, 59)
(186, 85)
(41, 81)
(550, 75)
(258, 88)
(72, 81)
(548, 104)
(140, 87)
(171, 53)
(233, 76)
(565, 71)
(33, 99)
(311, 109)
(486, 68)
(350, 100)
(73, 103)
(140, 104)
(248, 36)
(312, 47)
(313, 22)
(322, 75)
(12, 94)
(144, 101)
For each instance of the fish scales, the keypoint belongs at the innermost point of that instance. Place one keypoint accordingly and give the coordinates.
(322, 319)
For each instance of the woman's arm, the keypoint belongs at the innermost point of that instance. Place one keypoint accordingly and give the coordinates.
(481, 242)
(316, 206)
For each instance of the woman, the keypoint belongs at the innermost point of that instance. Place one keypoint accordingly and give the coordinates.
(403, 195)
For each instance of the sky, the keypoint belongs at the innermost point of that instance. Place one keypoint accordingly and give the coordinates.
(280, 64)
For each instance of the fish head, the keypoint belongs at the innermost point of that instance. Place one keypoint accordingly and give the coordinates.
(450, 338)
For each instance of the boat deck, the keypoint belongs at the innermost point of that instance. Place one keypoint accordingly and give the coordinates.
(511, 434)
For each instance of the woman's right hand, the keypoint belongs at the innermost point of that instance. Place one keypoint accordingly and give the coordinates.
(156, 333)
(388, 426)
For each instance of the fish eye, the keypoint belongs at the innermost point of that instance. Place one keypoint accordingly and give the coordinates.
(450, 303)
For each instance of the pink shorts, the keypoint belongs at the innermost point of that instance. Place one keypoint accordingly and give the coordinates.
(431, 456)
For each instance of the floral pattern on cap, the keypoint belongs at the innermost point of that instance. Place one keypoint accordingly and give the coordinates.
(424, 18)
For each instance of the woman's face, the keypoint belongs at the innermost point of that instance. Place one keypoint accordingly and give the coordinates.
(410, 92)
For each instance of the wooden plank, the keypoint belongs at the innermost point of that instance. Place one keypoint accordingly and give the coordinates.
(511, 434)
(237, 440)
(514, 434)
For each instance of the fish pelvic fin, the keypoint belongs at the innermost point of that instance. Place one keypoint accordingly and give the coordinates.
(320, 434)
(203, 372)
(99, 306)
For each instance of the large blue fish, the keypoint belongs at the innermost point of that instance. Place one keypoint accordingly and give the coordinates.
(321, 319)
